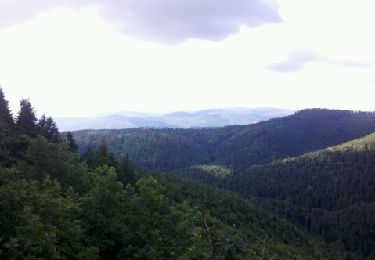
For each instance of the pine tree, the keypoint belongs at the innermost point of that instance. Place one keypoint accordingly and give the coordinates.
(48, 129)
(102, 154)
(26, 119)
(6, 118)
(104, 157)
(6, 131)
(126, 170)
(90, 157)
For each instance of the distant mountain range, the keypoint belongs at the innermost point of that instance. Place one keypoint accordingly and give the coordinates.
(181, 119)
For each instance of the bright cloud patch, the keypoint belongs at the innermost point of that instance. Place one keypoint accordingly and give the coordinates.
(162, 20)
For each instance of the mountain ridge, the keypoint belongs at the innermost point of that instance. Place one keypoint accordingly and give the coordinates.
(178, 119)
(328, 192)
(234, 146)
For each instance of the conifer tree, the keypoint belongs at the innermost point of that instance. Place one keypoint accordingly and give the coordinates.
(6, 118)
(126, 170)
(71, 143)
(6, 127)
(104, 157)
(48, 129)
(26, 119)
(102, 153)
(90, 157)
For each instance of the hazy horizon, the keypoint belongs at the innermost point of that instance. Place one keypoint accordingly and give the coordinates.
(14, 106)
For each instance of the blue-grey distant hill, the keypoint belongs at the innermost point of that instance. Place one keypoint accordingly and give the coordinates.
(181, 119)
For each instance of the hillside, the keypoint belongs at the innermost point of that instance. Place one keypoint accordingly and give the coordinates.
(329, 192)
(253, 222)
(237, 147)
(181, 119)
(326, 189)
(56, 205)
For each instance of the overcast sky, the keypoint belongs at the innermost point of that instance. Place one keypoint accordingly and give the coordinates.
(85, 57)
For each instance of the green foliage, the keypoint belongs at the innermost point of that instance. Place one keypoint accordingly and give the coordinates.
(215, 170)
(14, 140)
(100, 157)
(236, 147)
(252, 229)
(71, 143)
(39, 221)
(5, 145)
(42, 217)
(104, 157)
(6, 129)
(48, 129)
(56, 205)
(329, 192)
(49, 159)
(53, 206)
(6, 118)
(26, 118)
(126, 170)
(322, 191)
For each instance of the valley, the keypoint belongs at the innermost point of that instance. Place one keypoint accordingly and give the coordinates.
(293, 187)
(304, 167)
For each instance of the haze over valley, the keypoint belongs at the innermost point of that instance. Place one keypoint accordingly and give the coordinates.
(187, 129)
(181, 119)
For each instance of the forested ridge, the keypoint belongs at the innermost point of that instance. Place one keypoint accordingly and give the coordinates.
(278, 164)
(328, 192)
(233, 146)
(56, 204)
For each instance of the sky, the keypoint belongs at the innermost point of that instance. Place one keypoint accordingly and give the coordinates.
(87, 57)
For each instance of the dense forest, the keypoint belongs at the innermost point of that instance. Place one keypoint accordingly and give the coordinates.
(56, 204)
(326, 192)
(236, 147)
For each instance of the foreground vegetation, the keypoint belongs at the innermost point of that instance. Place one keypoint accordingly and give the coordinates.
(55, 204)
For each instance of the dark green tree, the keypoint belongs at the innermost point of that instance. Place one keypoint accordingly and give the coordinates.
(126, 170)
(48, 129)
(90, 158)
(6, 130)
(6, 118)
(100, 157)
(71, 143)
(104, 157)
(26, 119)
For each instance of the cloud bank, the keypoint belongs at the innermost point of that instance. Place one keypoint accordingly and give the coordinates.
(296, 60)
(169, 21)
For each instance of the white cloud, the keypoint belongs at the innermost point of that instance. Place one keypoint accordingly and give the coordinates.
(161, 20)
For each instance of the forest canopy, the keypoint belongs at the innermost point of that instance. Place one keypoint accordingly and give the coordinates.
(56, 204)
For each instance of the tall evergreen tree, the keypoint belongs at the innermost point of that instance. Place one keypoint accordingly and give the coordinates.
(6, 118)
(90, 157)
(71, 143)
(48, 129)
(6, 127)
(126, 170)
(103, 156)
(26, 119)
